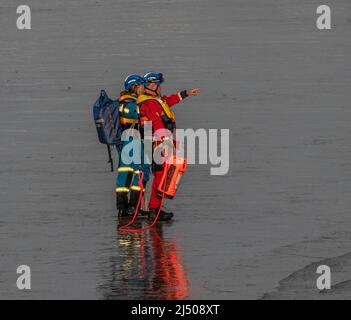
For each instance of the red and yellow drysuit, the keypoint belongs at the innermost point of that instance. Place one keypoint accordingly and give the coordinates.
(158, 111)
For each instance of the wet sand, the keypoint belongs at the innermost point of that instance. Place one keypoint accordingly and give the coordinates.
(281, 86)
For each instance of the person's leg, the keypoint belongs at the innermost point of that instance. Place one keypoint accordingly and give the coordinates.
(145, 206)
(135, 189)
(123, 182)
(155, 200)
(140, 171)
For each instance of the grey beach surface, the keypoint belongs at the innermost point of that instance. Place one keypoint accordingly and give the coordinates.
(266, 72)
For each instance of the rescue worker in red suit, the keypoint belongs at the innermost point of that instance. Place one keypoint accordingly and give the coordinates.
(156, 108)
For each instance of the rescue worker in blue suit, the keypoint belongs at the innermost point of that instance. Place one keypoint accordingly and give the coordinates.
(128, 187)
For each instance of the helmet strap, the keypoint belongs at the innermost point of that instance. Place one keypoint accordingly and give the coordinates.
(133, 88)
(154, 91)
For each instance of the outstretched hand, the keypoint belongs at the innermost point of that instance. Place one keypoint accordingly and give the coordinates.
(193, 92)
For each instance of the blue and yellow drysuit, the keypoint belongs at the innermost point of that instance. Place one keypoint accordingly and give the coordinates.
(127, 182)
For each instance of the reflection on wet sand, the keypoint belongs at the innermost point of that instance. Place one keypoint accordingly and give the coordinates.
(146, 266)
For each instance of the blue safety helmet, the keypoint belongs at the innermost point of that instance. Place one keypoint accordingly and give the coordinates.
(133, 79)
(153, 77)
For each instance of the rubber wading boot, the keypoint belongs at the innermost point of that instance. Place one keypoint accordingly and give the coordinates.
(134, 198)
(141, 213)
(122, 204)
(164, 215)
(131, 211)
(123, 213)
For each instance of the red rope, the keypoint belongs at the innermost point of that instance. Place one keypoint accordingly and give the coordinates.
(140, 230)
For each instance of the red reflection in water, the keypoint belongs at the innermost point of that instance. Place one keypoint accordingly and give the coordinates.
(169, 272)
(149, 267)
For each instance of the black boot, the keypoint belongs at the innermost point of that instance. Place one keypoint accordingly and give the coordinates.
(123, 213)
(134, 198)
(164, 215)
(143, 213)
(131, 211)
(122, 204)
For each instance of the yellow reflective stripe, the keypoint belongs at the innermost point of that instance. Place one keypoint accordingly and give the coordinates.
(125, 169)
(137, 171)
(135, 188)
(128, 121)
(122, 189)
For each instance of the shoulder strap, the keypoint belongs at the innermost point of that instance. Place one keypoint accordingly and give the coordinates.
(127, 97)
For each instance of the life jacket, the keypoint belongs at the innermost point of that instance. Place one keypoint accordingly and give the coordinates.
(128, 110)
(168, 116)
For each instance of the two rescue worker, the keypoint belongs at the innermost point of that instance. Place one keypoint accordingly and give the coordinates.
(157, 108)
(128, 186)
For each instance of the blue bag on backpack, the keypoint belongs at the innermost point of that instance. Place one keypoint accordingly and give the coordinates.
(106, 118)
